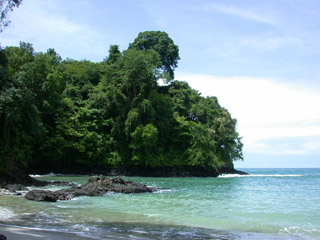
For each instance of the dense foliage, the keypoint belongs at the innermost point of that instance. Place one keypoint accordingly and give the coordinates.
(62, 113)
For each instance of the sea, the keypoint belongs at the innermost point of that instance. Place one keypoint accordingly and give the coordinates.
(272, 204)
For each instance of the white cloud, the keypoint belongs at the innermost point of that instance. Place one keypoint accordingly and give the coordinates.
(44, 24)
(269, 43)
(244, 13)
(273, 117)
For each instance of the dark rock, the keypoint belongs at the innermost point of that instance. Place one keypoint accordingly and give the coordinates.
(60, 183)
(15, 187)
(96, 186)
(100, 185)
(41, 195)
(14, 173)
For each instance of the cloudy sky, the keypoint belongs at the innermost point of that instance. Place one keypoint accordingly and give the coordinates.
(260, 58)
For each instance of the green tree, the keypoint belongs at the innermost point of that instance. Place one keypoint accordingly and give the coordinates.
(163, 45)
(80, 78)
(144, 145)
(19, 56)
(20, 124)
(65, 113)
(135, 76)
(114, 54)
(4, 73)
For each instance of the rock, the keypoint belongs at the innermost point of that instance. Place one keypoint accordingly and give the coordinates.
(96, 186)
(60, 183)
(101, 185)
(15, 173)
(41, 195)
(15, 187)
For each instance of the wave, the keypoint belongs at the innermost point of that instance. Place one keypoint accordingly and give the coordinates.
(45, 175)
(52, 174)
(6, 214)
(35, 175)
(296, 230)
(165, 190)
(258, 175)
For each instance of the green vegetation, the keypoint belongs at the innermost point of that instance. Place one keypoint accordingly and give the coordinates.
(61, 113)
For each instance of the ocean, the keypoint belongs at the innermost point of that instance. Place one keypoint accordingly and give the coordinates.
(267, 204)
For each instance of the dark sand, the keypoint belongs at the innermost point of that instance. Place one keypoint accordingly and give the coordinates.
(21, 233)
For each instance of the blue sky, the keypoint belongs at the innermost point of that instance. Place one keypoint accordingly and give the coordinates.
(260, 58)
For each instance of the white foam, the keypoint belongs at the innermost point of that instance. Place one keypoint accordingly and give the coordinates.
(163, 190)
(45, 175)
(152, 214)
(138, 231)
(6, 214)
(5, 192)
(299, 230)
(257, 175)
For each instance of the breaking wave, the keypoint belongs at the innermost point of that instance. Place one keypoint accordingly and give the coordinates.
(258, 175)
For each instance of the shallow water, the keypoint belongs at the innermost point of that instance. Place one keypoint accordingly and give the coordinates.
(268, 204)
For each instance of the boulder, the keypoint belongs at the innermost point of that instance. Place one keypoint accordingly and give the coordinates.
(15, 187)
(96, 186)
(41, 195)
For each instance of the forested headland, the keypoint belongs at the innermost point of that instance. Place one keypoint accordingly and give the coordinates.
(67, 115)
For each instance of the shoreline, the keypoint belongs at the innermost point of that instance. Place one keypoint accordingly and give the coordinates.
(27, 233)
(167, 172)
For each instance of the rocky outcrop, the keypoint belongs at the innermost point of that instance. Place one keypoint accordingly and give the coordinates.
(96, 186)
(14, 174)
(99, 185)
(18, 189)
(42, 195)
(13, 188)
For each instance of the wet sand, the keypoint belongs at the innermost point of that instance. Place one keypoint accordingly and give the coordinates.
(19, 233)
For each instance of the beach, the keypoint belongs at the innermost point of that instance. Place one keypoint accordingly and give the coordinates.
(19, 233)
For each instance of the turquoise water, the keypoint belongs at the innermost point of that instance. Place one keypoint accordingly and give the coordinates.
(268, 204)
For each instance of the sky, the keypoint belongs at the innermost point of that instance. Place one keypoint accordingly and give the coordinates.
(259, 58)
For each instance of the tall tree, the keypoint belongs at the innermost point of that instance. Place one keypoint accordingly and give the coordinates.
(71, 113)
(114, 54)
(19, 56)
(20, 124)
(163, 45)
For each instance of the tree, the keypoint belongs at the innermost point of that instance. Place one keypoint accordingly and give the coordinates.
(163, 45)
(5, 7)
(143, 144)
(114, 54)
(58, 114)
(4, 73)
(20, 123)
(19, 56)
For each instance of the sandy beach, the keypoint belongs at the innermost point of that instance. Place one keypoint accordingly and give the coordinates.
(19, 233)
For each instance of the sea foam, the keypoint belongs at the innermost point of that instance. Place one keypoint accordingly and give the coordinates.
(6, 214)
(258, 175)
